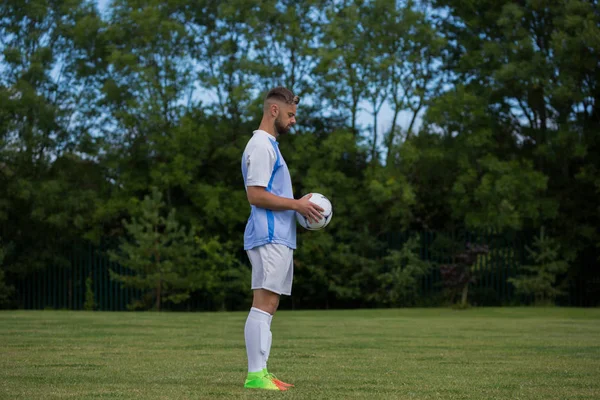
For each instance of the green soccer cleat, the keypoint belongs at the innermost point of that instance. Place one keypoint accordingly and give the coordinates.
(258, 380)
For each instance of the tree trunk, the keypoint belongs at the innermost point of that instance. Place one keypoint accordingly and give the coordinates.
(70, 284)
(158, 294)
(374, 146)
(354, 114)
(390, 138)
(414, 118)
(465, 292)
(159, 283)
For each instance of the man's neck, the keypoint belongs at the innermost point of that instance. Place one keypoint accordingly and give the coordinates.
(269, 128)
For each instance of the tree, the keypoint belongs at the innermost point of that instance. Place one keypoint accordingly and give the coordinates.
(459, 274)
(285, 41)
(415, 47)
(399, 277)
(47, 173)
(147, 77)
(533, 66)
(540, 279)
(342, 70)
(222, 55)
(90, 303)
(489, 187)
(165, 257)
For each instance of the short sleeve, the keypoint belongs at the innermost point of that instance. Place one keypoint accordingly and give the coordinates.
(260, 161)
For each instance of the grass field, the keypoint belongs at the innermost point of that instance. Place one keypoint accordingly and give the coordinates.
(500, 353)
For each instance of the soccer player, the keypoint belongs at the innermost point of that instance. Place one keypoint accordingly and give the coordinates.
(270, 235)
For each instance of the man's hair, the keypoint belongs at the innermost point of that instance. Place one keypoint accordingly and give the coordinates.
(283, 94)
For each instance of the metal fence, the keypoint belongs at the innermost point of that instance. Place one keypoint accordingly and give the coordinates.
(65, 288)
(492, 270)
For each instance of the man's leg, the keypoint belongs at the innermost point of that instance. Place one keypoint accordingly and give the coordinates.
(271, 268)
(257, 333)
(258, 329)
(265, 300)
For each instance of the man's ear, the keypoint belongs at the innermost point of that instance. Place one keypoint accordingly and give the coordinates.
(274, 110)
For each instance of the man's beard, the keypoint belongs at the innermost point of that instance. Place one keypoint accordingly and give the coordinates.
(280, 128)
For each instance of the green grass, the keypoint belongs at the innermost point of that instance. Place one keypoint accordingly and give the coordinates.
(500, 353)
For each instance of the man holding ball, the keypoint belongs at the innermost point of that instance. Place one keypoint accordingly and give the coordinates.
(270, 235)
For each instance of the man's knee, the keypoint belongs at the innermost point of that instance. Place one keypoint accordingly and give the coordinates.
(266, 301)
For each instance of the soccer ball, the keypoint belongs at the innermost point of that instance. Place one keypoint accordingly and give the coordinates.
(322, 201)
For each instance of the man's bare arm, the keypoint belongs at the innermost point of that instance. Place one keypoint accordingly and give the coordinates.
(259, 197)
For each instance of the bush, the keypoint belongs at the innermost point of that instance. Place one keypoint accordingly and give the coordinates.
(540, 278)
(89, 304)
(6, 291)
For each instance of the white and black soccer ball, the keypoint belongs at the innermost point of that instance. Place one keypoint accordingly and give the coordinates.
(322, 201)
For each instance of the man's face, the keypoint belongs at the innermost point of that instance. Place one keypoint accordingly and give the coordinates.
(286, 118)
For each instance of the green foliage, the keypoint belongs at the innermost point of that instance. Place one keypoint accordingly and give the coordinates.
(540, 279)
(49, 181)
(90, 303)
(162, 254)
(500, 195)
(6, 291)
(487, 189)
(525, 70)
(398, 278)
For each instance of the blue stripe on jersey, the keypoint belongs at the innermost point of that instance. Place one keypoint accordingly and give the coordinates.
(271, 224)
(270, 216)
(274, 167)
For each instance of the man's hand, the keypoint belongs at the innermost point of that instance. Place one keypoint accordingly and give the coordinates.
(309, 209)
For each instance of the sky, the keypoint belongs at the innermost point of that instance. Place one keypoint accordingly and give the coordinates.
(364, 117)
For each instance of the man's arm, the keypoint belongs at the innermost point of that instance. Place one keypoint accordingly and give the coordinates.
(259, 197)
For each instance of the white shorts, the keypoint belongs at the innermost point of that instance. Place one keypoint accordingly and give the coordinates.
(272, 268)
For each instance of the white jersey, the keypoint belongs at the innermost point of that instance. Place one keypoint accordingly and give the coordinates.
(263, 165)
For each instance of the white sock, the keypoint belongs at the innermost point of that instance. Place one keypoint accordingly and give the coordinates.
(258, 339)
(268, 350)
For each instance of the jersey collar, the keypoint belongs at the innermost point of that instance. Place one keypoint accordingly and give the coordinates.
(264, 133)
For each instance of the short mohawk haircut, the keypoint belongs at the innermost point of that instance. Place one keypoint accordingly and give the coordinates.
(283, 94)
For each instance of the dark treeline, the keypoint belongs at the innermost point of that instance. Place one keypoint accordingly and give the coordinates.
(125, 129)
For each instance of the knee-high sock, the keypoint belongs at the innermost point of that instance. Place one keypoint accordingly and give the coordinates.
(258, 339)
(268, 350)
